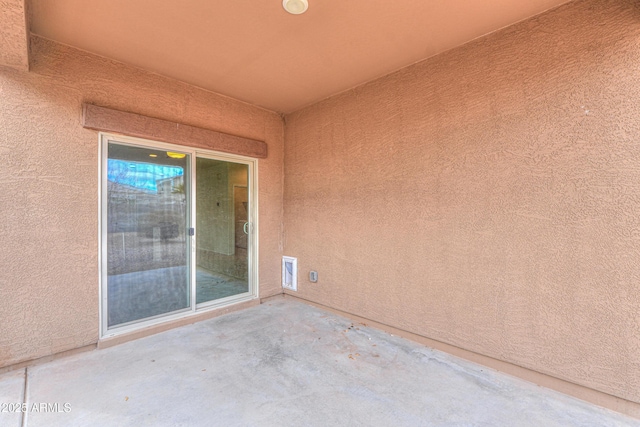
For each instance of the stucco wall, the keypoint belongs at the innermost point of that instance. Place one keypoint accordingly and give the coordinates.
(488, 197)
(49, 179)
(14, 49)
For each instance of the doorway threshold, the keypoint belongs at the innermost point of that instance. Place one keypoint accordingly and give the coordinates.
(183, 320)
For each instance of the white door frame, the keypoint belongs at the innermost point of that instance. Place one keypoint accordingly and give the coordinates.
(252, 239)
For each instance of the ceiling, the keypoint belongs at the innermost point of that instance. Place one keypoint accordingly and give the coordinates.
(254, 51)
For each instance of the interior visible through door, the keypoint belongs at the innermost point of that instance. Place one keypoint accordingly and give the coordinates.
(222, 228)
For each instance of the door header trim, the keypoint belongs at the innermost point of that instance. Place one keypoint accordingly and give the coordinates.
(132, 124)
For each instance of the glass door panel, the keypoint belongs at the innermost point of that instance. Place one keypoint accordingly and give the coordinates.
(147, 239)
(222, 229)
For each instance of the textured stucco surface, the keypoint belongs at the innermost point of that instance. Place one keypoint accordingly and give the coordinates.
(49, 179)
(488, 197)
(14, 45)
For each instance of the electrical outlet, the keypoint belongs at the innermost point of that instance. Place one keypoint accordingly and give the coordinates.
(313, 276)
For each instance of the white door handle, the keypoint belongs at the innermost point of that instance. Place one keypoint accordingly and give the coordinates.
(245, 228)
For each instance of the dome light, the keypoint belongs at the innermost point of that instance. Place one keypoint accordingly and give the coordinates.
(295, 7)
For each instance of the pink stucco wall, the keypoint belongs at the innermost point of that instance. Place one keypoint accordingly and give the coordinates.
(49, 180)
(14, 39)
(487, 198)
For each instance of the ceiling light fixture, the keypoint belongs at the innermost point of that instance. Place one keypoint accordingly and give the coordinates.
(176, 155)
(295, 7)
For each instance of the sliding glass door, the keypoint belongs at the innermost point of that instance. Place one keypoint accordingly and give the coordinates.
(177, 232)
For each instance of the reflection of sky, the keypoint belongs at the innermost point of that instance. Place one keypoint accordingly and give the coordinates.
(140, 175)
(288, 278)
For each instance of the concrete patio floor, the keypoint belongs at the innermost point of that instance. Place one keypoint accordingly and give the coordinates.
(282, 363)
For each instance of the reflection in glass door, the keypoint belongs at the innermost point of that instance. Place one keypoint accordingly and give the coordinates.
(147, 251)
(222, 229)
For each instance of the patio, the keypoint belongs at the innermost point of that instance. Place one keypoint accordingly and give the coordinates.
(282, 363)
